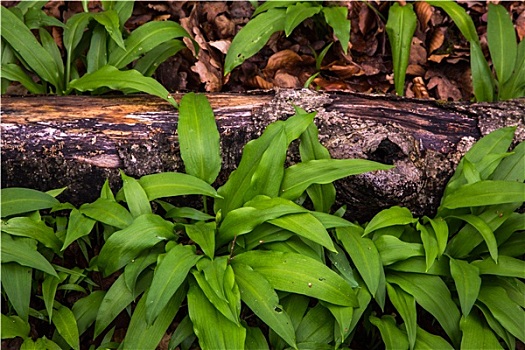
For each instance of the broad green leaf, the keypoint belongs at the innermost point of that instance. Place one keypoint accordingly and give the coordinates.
(123, 246)
(514, 246)
(199, 137)
(317, 326)
(297, 274)
(15, 32)
(297, 13)
(97, 55)
(430, 243)
(255, 339)
(501, 38)
(440, 227)
(432, 294)
(141, 334)
(151, 61)
(494, 324)
(390, 217)
(400, 27)
(364, 255)
(26, 227)
(253, 36)
(260, 297)
(14, 326)
(299, 177)
(108, 212)
(109, 76)
(509, 314)
(240, 180)
(307, 226)
(124, 10)
(171, 271)
(133, 270)
(109, 19)
(405, 304)
(205, 318)
(322, 196)
(49, 289)
(16, 282)
(460, 17)
(255, 212)
(49, 44)
(336, 17)
(392, 249)
(515, 86)
(73, 33)
(36, 18)
(484, 230)
(204, 235)
(418, 265)
(24, 6)
(341, 264)
(393, 337)
(40, 343)
(14, 72)
(262, 234)
(78, 226)
(17, 200)
(299, 246)
(343, 319)
(66, 325)
(428, 341)
(182, 332)
(136, 198)
(188, 213)
(486, 192)
(170, 184)
(512, 168)
(143, 39)
(86, 309)
(24, 252)
(506, 266)
(117, 298)
(267, 5)
(476, 334)
(482, 80)
(468, 282)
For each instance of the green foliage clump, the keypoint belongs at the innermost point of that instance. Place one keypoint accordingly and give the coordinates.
(261, 270)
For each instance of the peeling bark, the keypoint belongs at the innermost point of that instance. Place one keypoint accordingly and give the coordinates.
(79, 141)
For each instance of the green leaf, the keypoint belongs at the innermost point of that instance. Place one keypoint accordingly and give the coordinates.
(482, 80)
(108, 212)
(151, 61)
(433, 295)
(393, 337)
(400, 28)
(440, 227)
(187, 213)
(143, 39)
(307, 226)
(506, 266)
(512, 168)
(405, 304)
(515, 86)
(40, 343)
(109, 19)
(199, 137)
(486, 192)
(133, 270)
(336, 17)
(15, 32)
(24, 6)
(171, 184)
(494, 324)
(484, 230)
(317, 326)
(298, 274)
(24, 252)
(26, 227)
(171, 271)
(297, 13)
(341, 264)
(364, 255)
(111, 77)
(460, 17)
(141, 334)
(49, 289)
(97, 55)
(136, 198)
(390, 217)
(86, 309)
(501, 38)
(429, 244)
(428, 341)
(240, 180)
(476, 334)
(78, 226)
(205, 318)
(73, 33)
(253, 36)
(14, 326)
(17, 200)
(35, 18)
(392, 249)
(204, 235)
(255, 339)
(505, 310)
(16, 282)
(299, 177)
(182, 332)
(343, 317)
(467, 281)
(123, 246)
(14, 72)
(418, 265)
(66, 325)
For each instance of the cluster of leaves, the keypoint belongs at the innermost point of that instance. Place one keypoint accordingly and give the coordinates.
(263, 271)
(508, 58)
(94, 39)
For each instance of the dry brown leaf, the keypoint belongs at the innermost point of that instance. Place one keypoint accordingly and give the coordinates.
(419, 88)
(328, 85)
(158, 7)
(208, 75)
(213, 9)
(162, 17)
(225, 27)
(424, 13)
(418, 54)
(282, 59)
(520, 25)
(221, 45)
(437, 58)
(437, 39)
(283, 79)
(415, 69)
(344, 71)
(367, 19)
(56, 33)
(445, 89)
(259, 82)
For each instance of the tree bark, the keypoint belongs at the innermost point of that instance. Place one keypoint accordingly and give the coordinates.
(79, 141)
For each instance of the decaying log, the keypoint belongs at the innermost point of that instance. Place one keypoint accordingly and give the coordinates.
(79, 141)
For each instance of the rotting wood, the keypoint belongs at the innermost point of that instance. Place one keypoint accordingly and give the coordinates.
(79, 141)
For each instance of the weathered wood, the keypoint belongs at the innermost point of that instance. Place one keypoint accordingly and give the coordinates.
(79, 141)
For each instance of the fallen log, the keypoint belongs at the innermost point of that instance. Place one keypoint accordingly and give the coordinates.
(79, 141)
